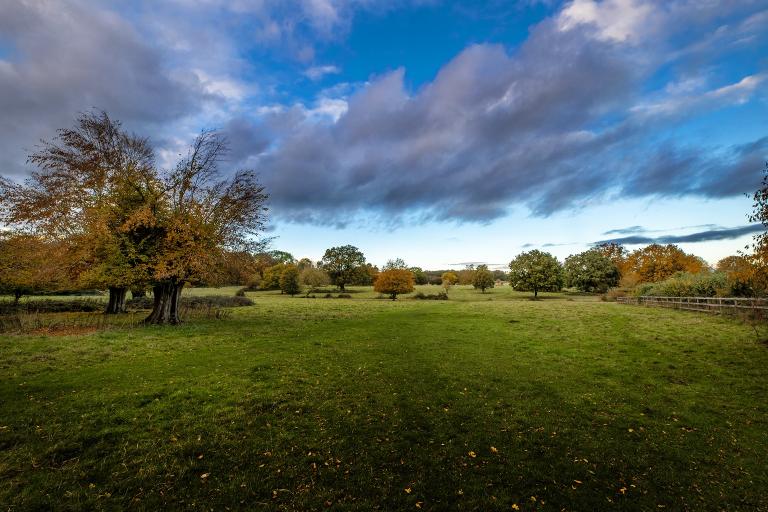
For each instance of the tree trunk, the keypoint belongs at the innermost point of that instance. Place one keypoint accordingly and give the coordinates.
(341, 287)
(16, 296)
(166, 305)
(116, 300)
(394, 296)
(535, 293)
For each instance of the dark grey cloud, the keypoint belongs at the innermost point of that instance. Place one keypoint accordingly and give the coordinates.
(701, 236)
(634, 230)
(66, 57)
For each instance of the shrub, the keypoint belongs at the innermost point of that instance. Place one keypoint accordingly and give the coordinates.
(201, 302)
(241, 292)
(344, 296)
(7, 307)
(431, 296)
(685, 284)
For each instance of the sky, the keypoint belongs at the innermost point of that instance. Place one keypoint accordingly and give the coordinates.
(440, 132)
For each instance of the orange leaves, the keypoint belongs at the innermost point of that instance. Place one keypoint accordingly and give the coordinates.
(394, 281)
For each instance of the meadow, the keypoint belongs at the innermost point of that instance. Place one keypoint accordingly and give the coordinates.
(481, 402)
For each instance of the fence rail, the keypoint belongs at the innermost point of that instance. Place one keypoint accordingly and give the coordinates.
(716, 305)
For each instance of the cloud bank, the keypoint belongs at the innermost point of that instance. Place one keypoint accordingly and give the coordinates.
(587, 109)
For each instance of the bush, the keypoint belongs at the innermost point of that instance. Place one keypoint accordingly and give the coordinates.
(344, 296)
(241, 292)
(431, 296)
(613, 293)
(684, 284)
(201, 302)
(7, 307)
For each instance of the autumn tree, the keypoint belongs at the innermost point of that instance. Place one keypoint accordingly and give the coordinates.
(483, 278)
(742, 275)
(289, 280)
(657, 262)
(450, 277)
(342, 263)
(759, 256)
(394, 282)
(92, 183)
(466, 275)
(591, 271)
(201, 215)
(535, 271)
(28, 265)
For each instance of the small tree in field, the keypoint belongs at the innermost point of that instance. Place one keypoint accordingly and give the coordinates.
(535, 271)
(342, 264)
(450, 277)
(394, 282)
(591, 271)
(314, 277)
(289, 280)
(483, 278)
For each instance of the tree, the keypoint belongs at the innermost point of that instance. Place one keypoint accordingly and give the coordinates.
(450, 277)
(419, 275)
(657, 262)
(93, 181)
(483, 278)
(759, 256)
(466, 275)
(201, 214)
(289, 280)
(394, 281)
(342, 264)
(591, 271)
(397, 263)
(742, 275)
(535, 271)
(271, 279)
(305, 263)
(282, 256)
(365, 275)
(314, 277)
(29, 265)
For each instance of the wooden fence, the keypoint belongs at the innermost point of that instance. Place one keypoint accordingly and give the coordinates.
(716, 305)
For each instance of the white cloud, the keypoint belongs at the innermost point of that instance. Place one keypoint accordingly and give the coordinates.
(318, 72)
(613, 20)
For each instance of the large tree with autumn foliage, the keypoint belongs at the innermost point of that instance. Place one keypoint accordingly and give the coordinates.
(201, 215)
(91, 182)
(656, 262)
(127, 224)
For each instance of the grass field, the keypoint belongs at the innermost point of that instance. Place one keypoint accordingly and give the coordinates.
(483, 402)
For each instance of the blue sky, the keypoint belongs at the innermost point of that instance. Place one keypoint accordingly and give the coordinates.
(439, 132)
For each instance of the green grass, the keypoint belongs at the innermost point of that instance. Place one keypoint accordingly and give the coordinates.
(304, 404)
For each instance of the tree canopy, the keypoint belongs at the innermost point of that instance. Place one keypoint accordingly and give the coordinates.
(128, 224)
(591, 271)
(342, 264)
(483, 278)
(394, 282)
(535, 271)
